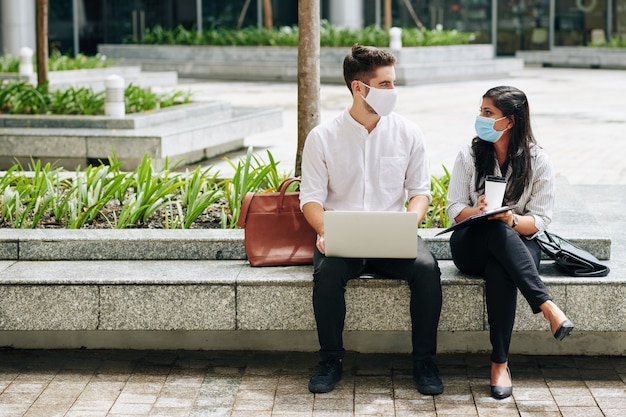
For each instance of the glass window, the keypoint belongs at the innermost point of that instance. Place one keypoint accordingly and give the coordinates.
(522, 25)
(60, 26)
(579, 22)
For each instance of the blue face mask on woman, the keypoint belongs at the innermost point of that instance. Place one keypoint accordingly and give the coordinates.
(486, 131)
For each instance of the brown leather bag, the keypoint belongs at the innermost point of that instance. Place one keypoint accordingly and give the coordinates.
(276, 232)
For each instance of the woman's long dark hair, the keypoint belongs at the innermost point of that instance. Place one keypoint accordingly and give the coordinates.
(513, 104)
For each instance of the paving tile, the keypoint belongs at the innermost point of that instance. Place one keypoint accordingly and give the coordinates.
(92, 406)
(130, 408)
(614, 412)
(86, 413)
(404, 413)
(251, 413)
(332, 413)
(169, 412)
(581, 412)
(537, 405)
(324, 403)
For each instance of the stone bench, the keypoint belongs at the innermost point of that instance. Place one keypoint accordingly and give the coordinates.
(193, 289)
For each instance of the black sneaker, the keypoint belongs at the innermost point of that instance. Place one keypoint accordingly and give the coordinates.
(426, 376)
(327, 375)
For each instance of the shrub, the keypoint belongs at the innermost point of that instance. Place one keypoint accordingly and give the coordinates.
(104, 196)
(288, 36)
(19, 97)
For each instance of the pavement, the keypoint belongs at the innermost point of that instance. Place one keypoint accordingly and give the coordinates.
(579, 117)
(87, 383)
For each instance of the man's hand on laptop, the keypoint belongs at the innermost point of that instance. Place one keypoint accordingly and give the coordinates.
(321, 246)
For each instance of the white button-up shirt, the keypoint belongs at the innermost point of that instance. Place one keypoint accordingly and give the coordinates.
(345, 167)
(537, 199)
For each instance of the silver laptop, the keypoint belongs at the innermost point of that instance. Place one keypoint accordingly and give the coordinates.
(370, 234)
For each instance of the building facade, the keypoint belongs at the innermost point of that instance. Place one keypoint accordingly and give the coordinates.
(510, 25)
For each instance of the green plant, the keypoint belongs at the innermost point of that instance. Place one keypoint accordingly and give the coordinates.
(436, 214)
(80, 100)
(31, 197)
(198, 192)
(151, 192)
(614, 42)
(248, 177)
(91, 192)
(137, 99)
(9, 63)
(18, 97)
(60, 62)
(57, 62)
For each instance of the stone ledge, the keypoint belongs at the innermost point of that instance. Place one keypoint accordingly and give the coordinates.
(192, 244)
(215, 109)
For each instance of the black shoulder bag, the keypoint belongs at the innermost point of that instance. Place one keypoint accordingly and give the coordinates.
(570, 258)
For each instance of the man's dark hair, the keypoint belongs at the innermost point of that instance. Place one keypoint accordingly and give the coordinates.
(361, 63)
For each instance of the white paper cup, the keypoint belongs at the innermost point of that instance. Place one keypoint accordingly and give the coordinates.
(494, 191)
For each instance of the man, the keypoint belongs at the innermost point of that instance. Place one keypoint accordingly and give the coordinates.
(369, 158)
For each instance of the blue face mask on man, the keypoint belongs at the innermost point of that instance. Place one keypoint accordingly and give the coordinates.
(486, 131)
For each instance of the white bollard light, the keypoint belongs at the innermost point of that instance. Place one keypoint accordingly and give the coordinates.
(114, 104)
(26, 62)
(395, 38)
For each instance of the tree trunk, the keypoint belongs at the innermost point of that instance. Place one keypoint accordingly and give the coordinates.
(242, 15)
(417, 21)
(267, 14)
(387, 14)
(42, 42)
(308, 73)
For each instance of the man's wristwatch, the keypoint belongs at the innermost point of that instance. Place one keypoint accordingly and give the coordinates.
(515, 221)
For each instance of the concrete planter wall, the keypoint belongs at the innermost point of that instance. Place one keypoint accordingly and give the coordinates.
(190, 132)
(415, 64)
(94, 78)
(577, 57)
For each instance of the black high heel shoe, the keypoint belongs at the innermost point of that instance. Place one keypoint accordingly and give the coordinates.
(500, 393)
(564, 330)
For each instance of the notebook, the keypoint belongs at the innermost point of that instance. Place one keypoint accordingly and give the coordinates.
(370, 234)
(476, 218)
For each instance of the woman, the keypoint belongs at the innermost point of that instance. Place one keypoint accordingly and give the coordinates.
(502, 249)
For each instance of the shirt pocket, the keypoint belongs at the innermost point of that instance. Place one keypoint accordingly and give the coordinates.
(391, 178)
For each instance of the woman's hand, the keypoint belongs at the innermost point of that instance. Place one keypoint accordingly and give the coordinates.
(507, 217)
(472, 211)
(482, 204)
